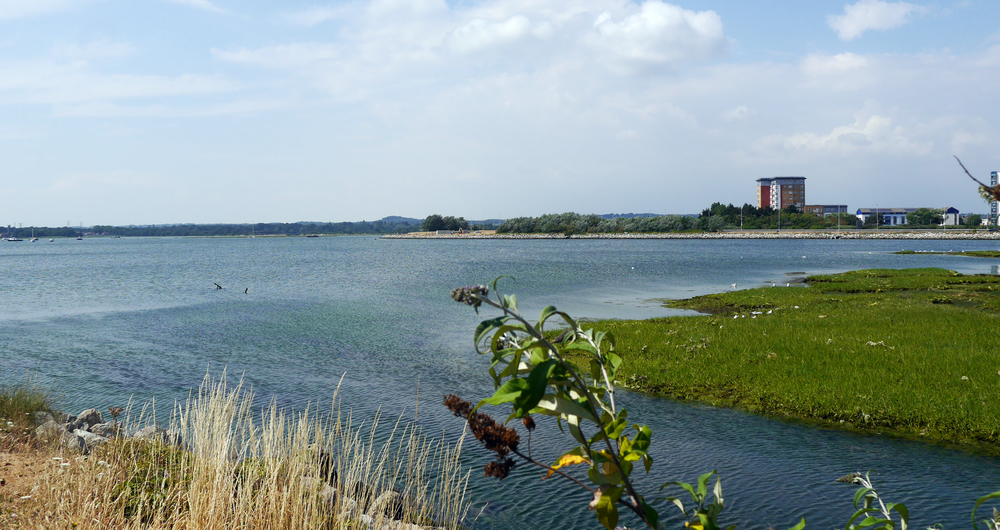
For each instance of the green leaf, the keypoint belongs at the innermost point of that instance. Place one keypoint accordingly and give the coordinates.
(510, 302)
(683, 485)
(614, 361)
(677, 502)
(614, 429)
(703, 484)
(980, 502)
(861, 494)
(904, 514)
(607, 508)
(574, 429)
(800, 526)
(485, 327)
(585, 346)
(652, 517)
(559, 405)
(537, 382)
(510, 391)
(546, 313)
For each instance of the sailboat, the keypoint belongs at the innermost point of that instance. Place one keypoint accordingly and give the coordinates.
(33, 238)
(13, 236)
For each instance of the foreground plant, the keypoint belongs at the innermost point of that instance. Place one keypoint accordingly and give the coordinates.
(531, 372)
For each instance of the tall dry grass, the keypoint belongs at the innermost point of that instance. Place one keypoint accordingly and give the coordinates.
(269, 470)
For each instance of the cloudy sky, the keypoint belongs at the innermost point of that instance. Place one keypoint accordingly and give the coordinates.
(165, 111)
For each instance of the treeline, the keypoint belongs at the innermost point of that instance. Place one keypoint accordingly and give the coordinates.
(727, 216)
(717, 217)
(25, 233)
(263, 229)
(574, 223)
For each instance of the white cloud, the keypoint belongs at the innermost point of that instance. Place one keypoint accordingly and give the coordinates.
(840, 64)
(869, 133)
(99, 49)
(55, 83)
(871, 14)
(199, 4)
(315, 15)
(11, 9)
(740, 113)
(479, 34)
(661, 33)
(285, 56)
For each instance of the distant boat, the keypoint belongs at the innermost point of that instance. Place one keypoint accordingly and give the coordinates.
(33, 238)
(79, 238)
(14, 238)
(51, 240)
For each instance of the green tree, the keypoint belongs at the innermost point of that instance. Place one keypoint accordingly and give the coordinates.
(974, 220)
(433, 223)
(924, 217)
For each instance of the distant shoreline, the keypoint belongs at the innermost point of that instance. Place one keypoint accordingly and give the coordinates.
(747, 234)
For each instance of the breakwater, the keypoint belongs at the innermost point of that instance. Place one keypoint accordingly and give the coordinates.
(748, 234)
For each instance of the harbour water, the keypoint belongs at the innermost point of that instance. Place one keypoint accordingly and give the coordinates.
(106, 320)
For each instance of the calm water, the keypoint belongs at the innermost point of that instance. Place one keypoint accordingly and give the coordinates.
(102, 320)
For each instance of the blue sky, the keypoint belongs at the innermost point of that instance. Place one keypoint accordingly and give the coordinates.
(164, 111)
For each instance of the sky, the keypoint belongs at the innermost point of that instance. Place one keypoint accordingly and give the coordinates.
(217, 111)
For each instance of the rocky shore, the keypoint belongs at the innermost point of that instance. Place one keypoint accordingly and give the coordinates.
(359, 505)
(80, 434)
(747, 234)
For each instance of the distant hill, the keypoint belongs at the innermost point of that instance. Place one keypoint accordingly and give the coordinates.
(397, 220)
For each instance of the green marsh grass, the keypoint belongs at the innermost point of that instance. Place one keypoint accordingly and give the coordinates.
(914, 352)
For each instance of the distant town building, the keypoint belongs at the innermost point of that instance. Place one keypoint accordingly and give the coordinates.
(824, 210)
(763, 193)
(897, 216)
(781, 192)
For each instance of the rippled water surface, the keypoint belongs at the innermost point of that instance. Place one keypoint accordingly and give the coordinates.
(105, 319)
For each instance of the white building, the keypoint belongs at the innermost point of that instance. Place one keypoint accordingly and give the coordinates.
(897, 216)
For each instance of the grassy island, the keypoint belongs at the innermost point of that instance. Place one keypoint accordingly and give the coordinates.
(911, 352)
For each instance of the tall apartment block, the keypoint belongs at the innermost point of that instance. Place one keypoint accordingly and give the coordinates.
(781, 192)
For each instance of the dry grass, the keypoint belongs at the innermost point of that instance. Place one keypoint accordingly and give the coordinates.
(236, 468)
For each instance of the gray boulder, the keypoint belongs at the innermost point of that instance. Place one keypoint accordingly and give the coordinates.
(72, 442)
(50, 431)
(388, 504)
(90, 439)
(86, 420)
(150, 433)
(107, 430)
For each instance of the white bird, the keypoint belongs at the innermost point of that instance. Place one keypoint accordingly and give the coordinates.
(788, 285)
(733, 285)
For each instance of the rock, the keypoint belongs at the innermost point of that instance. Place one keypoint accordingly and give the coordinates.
(107, 430)
(151, 433)
(42, 417)
(72, 442)
(91, 417)
(62, 417)
(388, 504)
(90, 439)
(50, 431)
